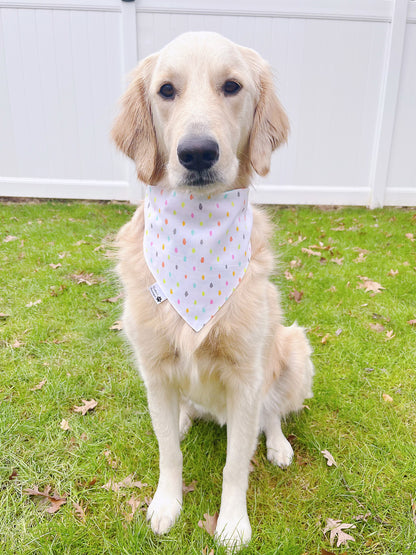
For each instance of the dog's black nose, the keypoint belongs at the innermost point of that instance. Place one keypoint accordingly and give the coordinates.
(198, 153)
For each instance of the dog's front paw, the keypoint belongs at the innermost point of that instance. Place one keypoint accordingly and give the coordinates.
(280, 453)
(233, 531)
(163, 512)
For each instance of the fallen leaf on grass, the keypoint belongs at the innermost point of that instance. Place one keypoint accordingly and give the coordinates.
(79, 511)
(55, 266)
(13, 475)
(413, 508)
(209, 523)
(387, 398)
(38, 386)
(88, 405)
(34, 303)
(88, 279)
(288, 275)
(17, 344)
(296, 295)
(310, 252)
(118, 326)
(188, 489)
(410, 237)
(113, 299)
(325, 338)
(361, 258)
(412, 322)
(369, 285)
(134, 504)
(112, 462)
(55, 500)
(377, 327)
(393, 273)
(128, 482)
(64, 425)
(296, 263)
(330, 461)
(338, 261)
(389, 335)
(205, 551)
(336, 529)
(9, 238)
(4, 316)
(362, 518)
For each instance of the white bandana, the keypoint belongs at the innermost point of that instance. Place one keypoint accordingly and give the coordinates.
(197, 248)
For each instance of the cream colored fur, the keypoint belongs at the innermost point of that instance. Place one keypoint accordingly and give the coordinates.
(244, 368)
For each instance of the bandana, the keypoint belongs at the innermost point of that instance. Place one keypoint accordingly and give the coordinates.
(197, 248)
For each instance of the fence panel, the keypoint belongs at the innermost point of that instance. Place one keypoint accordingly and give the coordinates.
(344, 71)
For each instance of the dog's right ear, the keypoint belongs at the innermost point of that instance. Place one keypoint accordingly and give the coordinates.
(133, 130)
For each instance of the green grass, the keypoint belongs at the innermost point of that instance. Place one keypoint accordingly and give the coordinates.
(66, 340)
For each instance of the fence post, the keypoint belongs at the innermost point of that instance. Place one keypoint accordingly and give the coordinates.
(387, 104)
(128, 62)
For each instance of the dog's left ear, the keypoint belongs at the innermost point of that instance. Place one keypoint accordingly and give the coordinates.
(270, 124)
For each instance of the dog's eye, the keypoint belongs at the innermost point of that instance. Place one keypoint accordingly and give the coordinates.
(167, 91)
(231, 87)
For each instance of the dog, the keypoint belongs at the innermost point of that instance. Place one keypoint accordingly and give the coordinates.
(200, 312)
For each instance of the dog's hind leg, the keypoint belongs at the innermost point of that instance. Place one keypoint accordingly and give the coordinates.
(293, 370)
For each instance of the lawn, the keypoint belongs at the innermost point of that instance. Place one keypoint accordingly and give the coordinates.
(348, 275)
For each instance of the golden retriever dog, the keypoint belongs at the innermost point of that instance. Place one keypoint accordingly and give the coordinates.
(200, 313)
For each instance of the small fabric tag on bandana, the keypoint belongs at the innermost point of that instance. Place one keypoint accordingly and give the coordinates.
(157, 293)
(198, 248)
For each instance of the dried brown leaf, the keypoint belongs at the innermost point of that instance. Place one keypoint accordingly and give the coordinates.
(55, 266)
(38, 386)
(134, 504)
(188, 489)
(387, 398)
(377, 327)
(296, 263)
(369, 285)
(361, 258)
(412, 322)
(410, 236)
(336, 529)
(325, 338)
(79, 511)
(330, 461)
(9, 238)
(209, 523)
(33, 303)
(88, 405)
(64, 425)
(118, 325)
(55, 500)
(389, 335)
(296, 295)
(393, 273)
(113, 299)
(288, 275)
(128, 482)
(311, 252)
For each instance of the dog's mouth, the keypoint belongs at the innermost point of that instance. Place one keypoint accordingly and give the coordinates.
(202, 178)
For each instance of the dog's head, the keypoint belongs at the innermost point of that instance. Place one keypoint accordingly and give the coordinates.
(201, 113)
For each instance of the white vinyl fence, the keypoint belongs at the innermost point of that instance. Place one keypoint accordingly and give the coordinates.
(345, 71)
